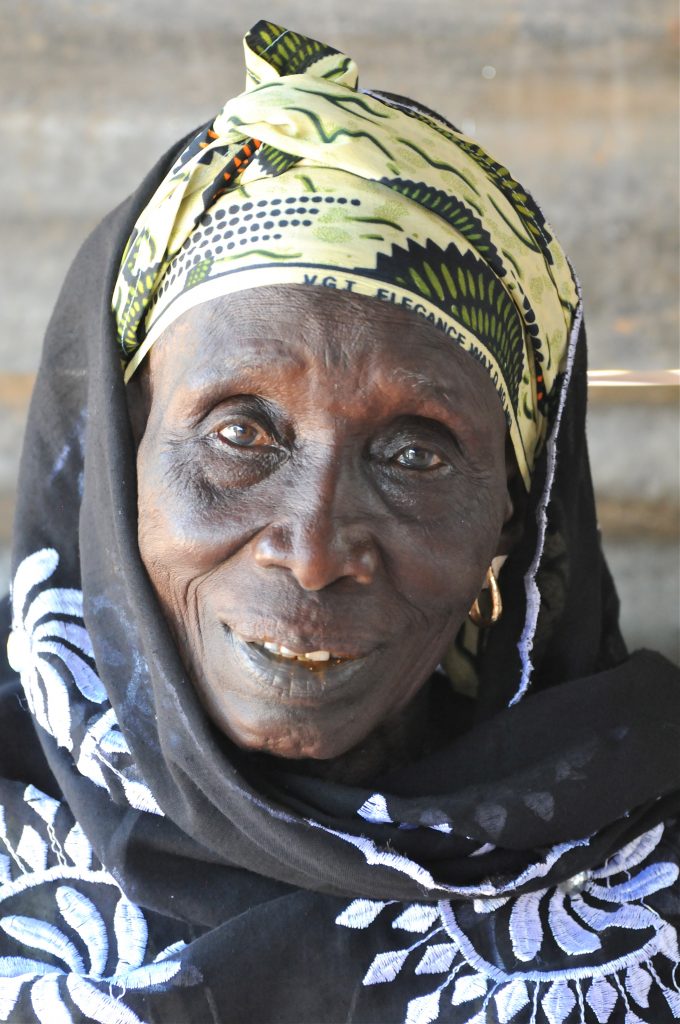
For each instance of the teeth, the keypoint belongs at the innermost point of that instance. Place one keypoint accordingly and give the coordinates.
(285, 652)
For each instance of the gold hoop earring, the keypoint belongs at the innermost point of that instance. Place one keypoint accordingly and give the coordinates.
(475, 613)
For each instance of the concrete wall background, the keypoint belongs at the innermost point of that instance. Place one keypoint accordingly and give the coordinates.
(578, 99)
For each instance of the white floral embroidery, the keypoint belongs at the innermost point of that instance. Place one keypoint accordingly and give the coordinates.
(582, 918)
(37, 639)
(375, 810)
(387, 858)
(79, 948)
(50, 648)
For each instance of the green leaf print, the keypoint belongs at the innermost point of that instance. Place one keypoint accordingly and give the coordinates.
(466, 289)
(524, 205)
(273, 161)
(459, 216)
(288, 52)
(139, 270)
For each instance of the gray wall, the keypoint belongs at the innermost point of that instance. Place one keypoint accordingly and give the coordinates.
(581, 104)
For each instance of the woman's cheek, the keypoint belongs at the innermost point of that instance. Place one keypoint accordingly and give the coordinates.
(179, 526)
(443, 559)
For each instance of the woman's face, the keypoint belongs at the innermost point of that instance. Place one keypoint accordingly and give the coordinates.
(322, 473)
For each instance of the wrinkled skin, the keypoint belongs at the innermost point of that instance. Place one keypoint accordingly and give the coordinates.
(324, 471)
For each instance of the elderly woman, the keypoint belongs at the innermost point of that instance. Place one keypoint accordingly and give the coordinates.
(327, 716)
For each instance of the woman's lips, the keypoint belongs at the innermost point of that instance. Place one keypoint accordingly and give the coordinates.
(291, 644)
(295, 674)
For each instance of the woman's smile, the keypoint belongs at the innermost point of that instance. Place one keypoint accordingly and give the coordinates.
(297, 677)
(314, 658)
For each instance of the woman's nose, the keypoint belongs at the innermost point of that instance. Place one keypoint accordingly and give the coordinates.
(320, 543)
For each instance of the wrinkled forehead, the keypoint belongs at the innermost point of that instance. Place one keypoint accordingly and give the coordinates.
(290, 338)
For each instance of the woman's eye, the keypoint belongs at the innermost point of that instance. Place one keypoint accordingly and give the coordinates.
(245, 434)
(418, 458)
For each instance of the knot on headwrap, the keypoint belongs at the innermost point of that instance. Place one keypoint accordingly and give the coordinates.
(302, 179)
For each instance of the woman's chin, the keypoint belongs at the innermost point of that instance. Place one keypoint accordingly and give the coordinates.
(288, 732)
(349, 755)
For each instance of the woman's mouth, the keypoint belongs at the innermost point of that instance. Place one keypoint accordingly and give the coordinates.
(312, 659)
(300, 674)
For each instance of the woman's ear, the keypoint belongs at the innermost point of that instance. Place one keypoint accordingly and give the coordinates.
(513, 525)
(138, 393)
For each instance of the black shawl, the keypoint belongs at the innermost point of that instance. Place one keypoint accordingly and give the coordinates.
(524, 871)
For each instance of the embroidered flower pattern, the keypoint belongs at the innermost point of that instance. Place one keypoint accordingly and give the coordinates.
(584, 918)
(375, 810)
(72, 956)
(50, 648)
(48, 633)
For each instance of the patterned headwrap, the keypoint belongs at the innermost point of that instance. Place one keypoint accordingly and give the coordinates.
(303, 179)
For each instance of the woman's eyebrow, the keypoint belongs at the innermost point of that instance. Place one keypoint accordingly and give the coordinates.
(241, 365)
(201, 385)
(421, 382)
(429, 390)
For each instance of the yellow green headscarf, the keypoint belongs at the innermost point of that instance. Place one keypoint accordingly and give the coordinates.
(303, 179)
